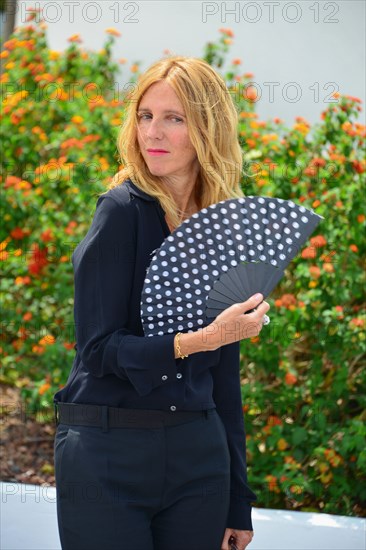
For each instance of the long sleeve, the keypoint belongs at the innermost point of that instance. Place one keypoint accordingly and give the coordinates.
(104, 276)
(227, 396)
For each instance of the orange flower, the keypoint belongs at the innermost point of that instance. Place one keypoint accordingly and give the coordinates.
(333, 458)
(112, 31)
(75, 38)
(17, 233)
(318, 241)
(42, 389)
(251, 143)
(134, 68)
(353, 247)
(27, 316)
(47, 236)
(296, 489)
(288, 300)
(348, 128)
(361, 218)
(353, 98)
(316, 203)
(328, 267)
(357, 322)
(47, 340)
(290, 379)
(250, 93)
(4, 254)
(4, 54)
(228, 32)
(22, 280)
(359, 166)
(68, 345)
(272, 483)
(273, 420)
(315, 271)
(261, 182)
(309, 253)
(236, 61)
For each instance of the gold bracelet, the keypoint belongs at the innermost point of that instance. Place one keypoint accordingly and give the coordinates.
(181, 356)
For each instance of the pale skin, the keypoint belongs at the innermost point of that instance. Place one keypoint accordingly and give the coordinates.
(162, 125)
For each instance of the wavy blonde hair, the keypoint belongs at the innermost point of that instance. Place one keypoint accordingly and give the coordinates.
(212, 122)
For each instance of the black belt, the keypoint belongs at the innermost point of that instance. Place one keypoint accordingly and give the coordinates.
(102, 416)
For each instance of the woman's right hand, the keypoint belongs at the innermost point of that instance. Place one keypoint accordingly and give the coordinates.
(234, 324)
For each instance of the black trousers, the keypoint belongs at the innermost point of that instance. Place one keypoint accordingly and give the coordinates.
(133, 488)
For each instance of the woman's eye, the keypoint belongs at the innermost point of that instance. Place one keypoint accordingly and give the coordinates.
(145, 116)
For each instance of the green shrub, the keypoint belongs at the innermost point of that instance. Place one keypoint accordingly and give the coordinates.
(302, 378)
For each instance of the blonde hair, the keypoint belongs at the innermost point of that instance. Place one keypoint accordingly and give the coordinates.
(212, 121)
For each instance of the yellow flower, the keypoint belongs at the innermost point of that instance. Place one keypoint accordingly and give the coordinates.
(54, 54)
(326, 478)
(77, 119)
(282, 444)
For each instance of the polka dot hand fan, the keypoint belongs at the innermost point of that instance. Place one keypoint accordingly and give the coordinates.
(220, 256)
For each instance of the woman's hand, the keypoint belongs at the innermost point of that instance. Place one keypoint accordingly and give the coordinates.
(234, 324)
(234, 539)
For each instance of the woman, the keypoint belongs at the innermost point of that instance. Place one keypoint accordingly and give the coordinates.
(150, 440)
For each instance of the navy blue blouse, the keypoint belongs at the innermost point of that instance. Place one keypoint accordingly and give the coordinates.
(115, 364)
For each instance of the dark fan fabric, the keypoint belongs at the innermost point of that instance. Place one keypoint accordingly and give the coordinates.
(221, 255)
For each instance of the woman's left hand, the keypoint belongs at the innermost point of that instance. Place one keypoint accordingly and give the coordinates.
(234, 539)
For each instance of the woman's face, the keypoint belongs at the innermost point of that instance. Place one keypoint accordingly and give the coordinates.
(162, 133)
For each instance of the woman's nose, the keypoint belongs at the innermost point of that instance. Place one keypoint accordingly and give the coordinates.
(154, 129)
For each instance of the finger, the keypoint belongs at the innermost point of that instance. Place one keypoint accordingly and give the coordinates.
(225, 541)
(252, 329)
(252, 302)
(260, 310)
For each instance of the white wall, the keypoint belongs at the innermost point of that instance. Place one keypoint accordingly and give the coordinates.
(317, 45)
